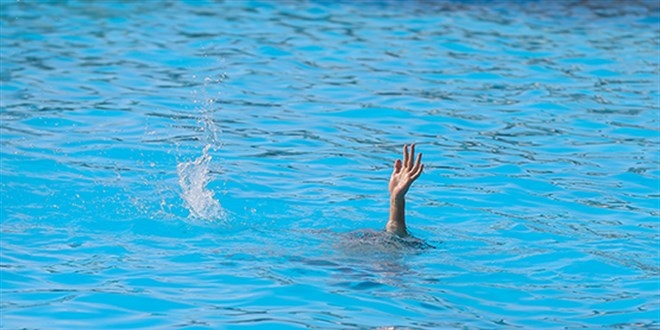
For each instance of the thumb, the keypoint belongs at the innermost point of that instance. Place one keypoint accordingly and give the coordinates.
(397, 166)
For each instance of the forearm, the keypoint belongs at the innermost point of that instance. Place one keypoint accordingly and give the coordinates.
(397, 222)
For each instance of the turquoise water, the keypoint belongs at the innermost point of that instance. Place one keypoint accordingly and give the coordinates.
(206, 165)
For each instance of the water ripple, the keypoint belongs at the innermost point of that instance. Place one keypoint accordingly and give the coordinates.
(125, 125)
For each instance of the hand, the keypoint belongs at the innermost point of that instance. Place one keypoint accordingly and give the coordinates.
(405, 173)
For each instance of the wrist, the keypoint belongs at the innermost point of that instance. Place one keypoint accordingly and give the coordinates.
(397, 199)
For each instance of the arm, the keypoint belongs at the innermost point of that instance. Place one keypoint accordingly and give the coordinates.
(404, 174)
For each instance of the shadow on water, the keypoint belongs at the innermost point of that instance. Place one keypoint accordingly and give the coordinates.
(371, 241)
(360, 261)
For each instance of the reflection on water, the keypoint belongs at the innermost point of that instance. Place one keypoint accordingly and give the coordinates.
(380, 242)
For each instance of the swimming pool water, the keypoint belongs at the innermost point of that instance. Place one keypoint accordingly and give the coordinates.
(205, 165)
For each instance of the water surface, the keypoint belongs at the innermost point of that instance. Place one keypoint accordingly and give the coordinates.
(217, 164)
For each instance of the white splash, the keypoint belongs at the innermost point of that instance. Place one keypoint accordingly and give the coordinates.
(193, 178)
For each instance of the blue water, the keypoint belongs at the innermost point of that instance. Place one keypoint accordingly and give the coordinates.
(206, 165)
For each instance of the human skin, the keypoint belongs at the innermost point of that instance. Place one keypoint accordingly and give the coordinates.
(404, 174)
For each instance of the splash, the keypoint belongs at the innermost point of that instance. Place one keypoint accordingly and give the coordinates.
(194, 175)
(205, 105)
(193, 178)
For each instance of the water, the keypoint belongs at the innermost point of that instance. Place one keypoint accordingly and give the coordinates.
(213, 165)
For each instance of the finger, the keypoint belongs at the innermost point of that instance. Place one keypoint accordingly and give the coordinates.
(397, 166)
(418, 173)
(411, 159)
(418, 163)
(405, 155)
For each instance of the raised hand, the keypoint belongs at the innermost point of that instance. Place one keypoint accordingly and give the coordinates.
(405, 173)
(403, 176)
